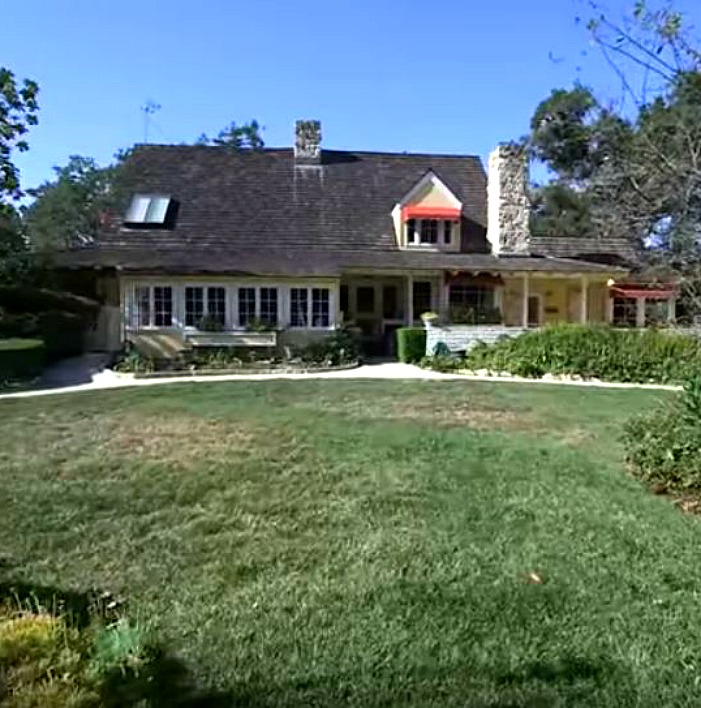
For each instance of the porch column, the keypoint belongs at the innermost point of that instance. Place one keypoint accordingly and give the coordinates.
(410, 300)
(671, 310)
(584, 314)
(526, 295)
(609, 308)
(640, 312)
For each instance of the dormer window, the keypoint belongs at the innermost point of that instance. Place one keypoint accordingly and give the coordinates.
(150, 211)
(429, 232)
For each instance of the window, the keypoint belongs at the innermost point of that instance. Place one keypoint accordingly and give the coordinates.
(321, 307)
(148, 210)
(429, 231)
(247, 306)
(163, 306)
(625, 311)
(345, 302)
(426, 232)
(299, 307)
(477, 297)
(268, 306)
(152, 306)
(421, 298)
(216, 304)
(194, 306)
(447, 232)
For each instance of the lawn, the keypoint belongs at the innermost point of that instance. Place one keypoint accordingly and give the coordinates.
(346, 543)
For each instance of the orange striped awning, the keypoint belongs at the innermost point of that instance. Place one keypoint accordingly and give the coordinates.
(430, 212)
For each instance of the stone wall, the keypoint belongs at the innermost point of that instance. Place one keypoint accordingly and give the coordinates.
(462, 338)
(508, 217)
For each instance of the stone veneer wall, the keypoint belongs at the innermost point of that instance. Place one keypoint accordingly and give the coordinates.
(463, 338)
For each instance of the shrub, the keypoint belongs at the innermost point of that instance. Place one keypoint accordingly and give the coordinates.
(411, 344)
(62, 332)
(594, 351)
(663, 447)
(338, 348)
(20, 299)
(21, 359)
(209, 323)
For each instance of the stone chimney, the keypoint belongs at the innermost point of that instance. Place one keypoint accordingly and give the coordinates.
(308, 142)
(509, 209)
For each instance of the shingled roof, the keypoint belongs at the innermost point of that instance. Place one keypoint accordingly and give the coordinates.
(262, 213)
(616, 251)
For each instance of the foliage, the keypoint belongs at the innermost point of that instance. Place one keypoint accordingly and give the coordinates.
(411, 344)
(62, 332)
(132, 361)
(340, 347)
(120, 646)
(593, 352)
(18, 111)
(663, 447)
(443, 362)
(209, 323)
(246, 136)
(260, 325)
(475, 315)
(70, 210)
(23, 299)
(21, 359)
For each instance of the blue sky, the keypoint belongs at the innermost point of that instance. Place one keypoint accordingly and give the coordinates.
(453, 76)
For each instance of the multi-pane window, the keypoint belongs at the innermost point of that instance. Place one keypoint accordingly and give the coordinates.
(427, 232)
(473, 296)
(216, 304)
(163, 305)
(321, 312)
(194, 306)
(153, 306)
(268, 306)
(299, 307)
(421, 297)
(247, 306)
(625, 311)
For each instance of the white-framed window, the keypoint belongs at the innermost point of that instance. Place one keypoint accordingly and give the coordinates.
(310, 307)
(205, 301)
(258, 303)
(247, 306)
(429, 232)
(269, 306)
(153, 306)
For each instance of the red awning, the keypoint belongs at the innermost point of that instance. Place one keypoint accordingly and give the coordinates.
(661, 292)
(430, 212)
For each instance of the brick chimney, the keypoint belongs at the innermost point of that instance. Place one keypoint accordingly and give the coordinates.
(308, 142)
(509, 209)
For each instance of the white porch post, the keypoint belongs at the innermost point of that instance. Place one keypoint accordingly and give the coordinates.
(526, 295)
(671, 310)
(609, 308)
(410, 300)
(584, 314)
(640, 312)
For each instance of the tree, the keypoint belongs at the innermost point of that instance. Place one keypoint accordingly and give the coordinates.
(70, 210)
(246, 136)
(18, 111)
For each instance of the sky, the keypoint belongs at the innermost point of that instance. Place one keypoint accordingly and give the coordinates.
(446, 76)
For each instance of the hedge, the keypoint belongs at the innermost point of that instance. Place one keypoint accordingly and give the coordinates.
(21, 358)
(411, 344)
(20, 299)
(595, 351)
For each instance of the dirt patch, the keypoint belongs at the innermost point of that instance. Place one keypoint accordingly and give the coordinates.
(183, 440)
(465, 415)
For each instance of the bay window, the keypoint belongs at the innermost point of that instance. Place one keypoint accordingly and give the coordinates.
(152, 306)
(197, 306)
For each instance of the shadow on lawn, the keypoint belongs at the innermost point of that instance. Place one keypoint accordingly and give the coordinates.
(164, 681)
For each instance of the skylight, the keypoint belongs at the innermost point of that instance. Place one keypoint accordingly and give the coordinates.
(148, 210)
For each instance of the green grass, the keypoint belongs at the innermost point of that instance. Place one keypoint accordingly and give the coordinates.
(332, 543)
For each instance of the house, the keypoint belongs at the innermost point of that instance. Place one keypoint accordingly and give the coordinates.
(302, 240)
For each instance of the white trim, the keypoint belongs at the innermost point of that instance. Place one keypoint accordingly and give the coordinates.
(584, 304)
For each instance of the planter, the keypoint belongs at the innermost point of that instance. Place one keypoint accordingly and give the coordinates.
(251, 371)
(232, 339)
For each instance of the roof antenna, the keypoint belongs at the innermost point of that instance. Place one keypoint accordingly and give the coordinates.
(148, 109)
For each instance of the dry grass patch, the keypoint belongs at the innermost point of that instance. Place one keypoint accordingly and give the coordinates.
(181, 439)
(467, 414)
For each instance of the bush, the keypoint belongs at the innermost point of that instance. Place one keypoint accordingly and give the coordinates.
(62, 332)
(595, 351)
(338, 348)
(663, 448)
(21, 359)
(411, 344)
(19, 299)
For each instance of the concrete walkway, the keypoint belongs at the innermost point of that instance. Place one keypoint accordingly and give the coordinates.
(88, 373)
